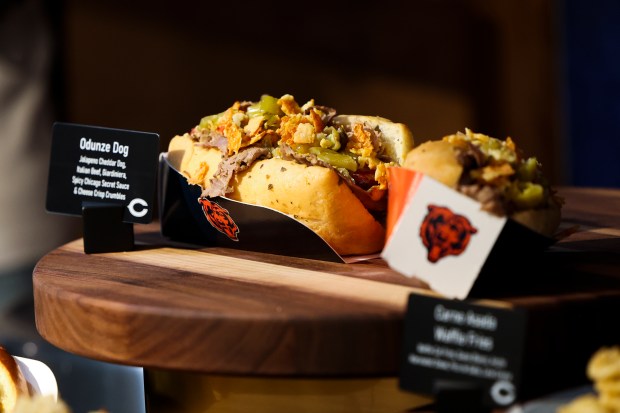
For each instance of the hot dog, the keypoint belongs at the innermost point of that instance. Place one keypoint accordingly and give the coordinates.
(326, 170)
(495, 173)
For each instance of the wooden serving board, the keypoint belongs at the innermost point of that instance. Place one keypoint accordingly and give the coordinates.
(232, 312)
(208, 310)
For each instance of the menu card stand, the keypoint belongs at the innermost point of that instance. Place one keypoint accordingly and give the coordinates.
(459, 396)
(104, 229)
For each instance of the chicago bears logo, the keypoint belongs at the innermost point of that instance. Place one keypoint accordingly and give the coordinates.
(219, 218)
(445, 233)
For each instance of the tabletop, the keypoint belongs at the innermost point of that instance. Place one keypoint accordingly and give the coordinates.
(181, 307)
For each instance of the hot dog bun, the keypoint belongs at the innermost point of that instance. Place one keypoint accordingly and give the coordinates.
(495, 173)
(12, 382)
(314, 195)
(287, 176)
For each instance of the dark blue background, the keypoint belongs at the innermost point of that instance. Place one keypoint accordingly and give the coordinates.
(591, 49)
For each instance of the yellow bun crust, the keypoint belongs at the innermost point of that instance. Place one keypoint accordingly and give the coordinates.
(438, 159)
(313, 195)
(195, 162)
(12, 382)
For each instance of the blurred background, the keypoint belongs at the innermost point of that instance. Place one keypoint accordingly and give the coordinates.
(544, 72)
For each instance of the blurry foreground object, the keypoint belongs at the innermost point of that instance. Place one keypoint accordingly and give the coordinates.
(43, 404)
(40, 404)
(604, 371)
(25, 382)
(29, 386)
(12, 382)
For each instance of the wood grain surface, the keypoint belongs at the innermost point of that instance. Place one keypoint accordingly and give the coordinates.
(211, 310)
(205, 310)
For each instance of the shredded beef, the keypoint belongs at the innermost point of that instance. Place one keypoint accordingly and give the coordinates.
(471, 157)
(219, 184)
(488, 196)
(375, 137)
(211, 139)
(328, 113)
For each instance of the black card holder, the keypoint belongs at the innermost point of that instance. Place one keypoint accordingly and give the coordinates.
(104, 229)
